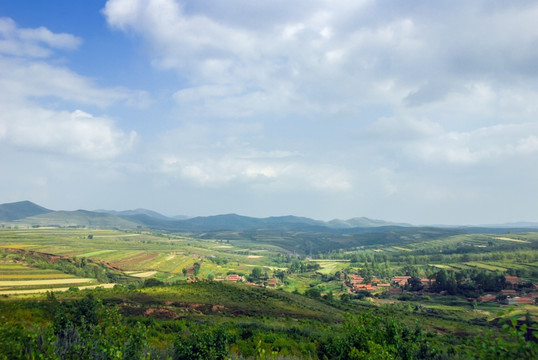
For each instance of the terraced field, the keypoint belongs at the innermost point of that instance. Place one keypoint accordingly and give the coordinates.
(20, 278)
(138, 255)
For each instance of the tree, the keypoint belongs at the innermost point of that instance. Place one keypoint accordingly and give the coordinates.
(415, 284)
(313, 292)
(207, 344)
(196, 268)
(185, 271)
(255, 274)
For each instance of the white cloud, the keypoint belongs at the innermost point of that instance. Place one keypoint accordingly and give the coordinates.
(76, 133)
(428, 141)
(35, 79)
(306, 61)
(219, 157)
(273, 174)
(32, 42)
(40, 106)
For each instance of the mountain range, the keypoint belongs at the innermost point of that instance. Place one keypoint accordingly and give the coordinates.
(30, 214)
(27, 213)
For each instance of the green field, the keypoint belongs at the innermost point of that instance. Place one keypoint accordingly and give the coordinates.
(125, 266)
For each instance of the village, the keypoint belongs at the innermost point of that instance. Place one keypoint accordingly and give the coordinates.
(512, 294)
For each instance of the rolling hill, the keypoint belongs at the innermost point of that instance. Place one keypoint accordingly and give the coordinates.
(20, 210)
(295, 234)
(78, 218)
(137, 212)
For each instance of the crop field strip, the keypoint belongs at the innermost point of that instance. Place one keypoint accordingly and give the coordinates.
(33, 276)
(55, 289)
(118, 249)
(16, 283)
(95, 253)
(485, 266)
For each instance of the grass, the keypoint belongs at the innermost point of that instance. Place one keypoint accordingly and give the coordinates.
(401, 248)
(95, 253)
(331, 266)
(486, 266)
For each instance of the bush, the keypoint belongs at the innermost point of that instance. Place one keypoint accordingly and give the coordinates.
(209, 344)
(153, 282)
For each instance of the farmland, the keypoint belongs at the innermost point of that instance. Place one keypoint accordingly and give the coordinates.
(171, 277)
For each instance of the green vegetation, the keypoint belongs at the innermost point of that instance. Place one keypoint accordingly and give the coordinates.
(173, 296)
(209, 320)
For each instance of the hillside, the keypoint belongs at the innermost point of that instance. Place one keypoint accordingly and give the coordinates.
(20, 210)
(31, 214)
(362, 222)
(137, 212)
(78, 218)
(295, 234)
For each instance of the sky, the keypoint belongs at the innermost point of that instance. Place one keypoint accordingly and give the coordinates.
(423, 112)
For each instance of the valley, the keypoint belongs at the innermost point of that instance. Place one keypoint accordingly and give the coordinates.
(455, 284)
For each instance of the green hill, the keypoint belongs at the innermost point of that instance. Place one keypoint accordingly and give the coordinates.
(78, 218)
(20, 210)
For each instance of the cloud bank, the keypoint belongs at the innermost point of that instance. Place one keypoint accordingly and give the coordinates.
(406, 111)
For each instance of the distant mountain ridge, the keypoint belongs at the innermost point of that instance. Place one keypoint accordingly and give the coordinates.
(78, 218)
(32, 214)
(150, 213)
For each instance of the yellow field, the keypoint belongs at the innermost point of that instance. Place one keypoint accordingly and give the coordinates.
(401, 248)
(514, 240)
(144, 274)
(38, 291)
(17, 246)
(37, 276)
(44, 282)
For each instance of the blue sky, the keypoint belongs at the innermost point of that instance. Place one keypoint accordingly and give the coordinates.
(423, 112)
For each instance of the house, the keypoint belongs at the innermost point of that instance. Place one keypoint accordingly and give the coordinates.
(518, 300)
(355, 279)
(426, 282)
(272, 282)
(487, 298)
(400, 280)
(235, 278)
(509, 301)
(514, 280)
(508, 292)
(367, 287)
(524, 300)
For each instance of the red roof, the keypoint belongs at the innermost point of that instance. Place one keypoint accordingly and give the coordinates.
(401, 280)
(524, 300)
(234, 277)
(508, 292)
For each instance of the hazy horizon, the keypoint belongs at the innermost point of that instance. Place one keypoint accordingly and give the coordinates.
(412, 112)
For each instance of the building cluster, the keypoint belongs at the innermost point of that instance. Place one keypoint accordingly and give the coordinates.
(511, 296)
(399, 283)
(238, 278)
